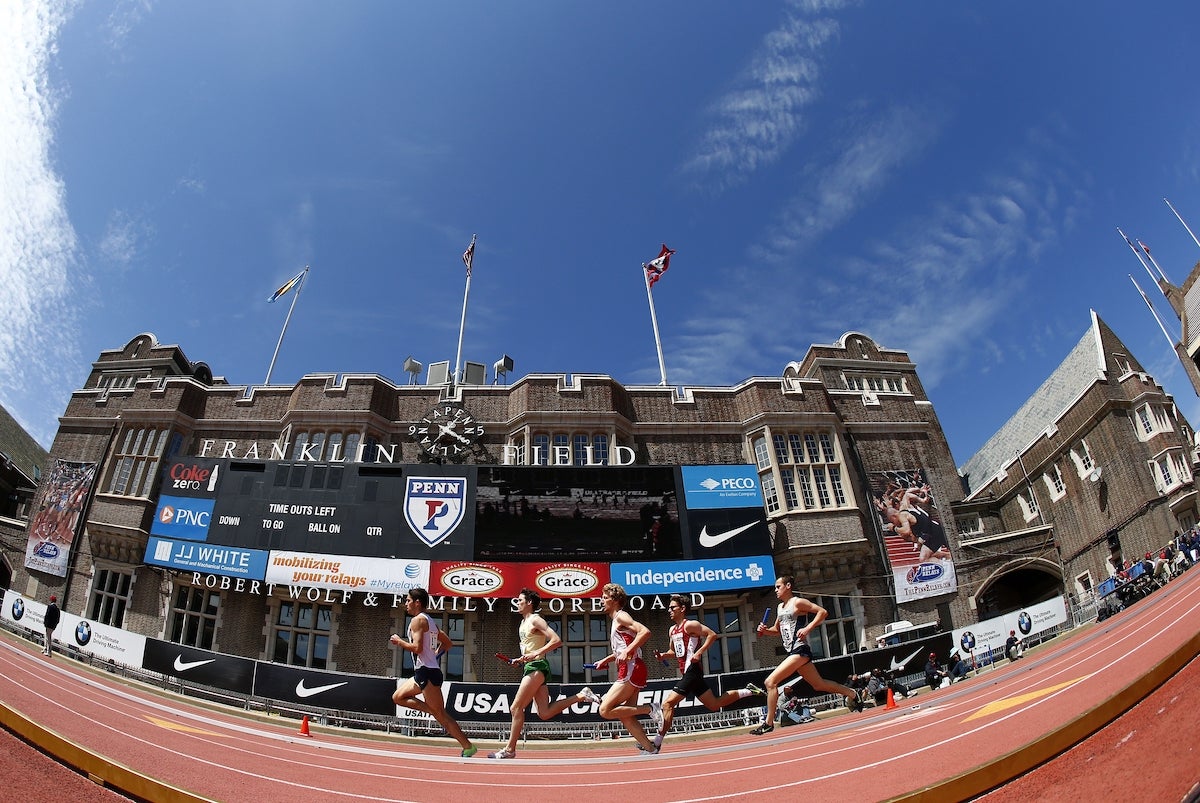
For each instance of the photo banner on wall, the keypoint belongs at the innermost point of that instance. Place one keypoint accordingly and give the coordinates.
(915, 540)
(56, 523)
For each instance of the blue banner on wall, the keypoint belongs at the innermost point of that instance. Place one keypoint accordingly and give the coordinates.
(711, 487)
(679, 577)
(222, 560)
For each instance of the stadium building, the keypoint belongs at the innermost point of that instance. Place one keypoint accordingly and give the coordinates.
(282, 524)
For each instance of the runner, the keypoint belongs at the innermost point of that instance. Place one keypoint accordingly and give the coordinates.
(799, 656)
(537, 640)
(627, 639)
(425, 641)
(690, 639)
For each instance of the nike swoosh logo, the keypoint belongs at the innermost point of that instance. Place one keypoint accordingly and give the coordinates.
(182, 665)
(302, 691)
(904, 663)
(709, 541)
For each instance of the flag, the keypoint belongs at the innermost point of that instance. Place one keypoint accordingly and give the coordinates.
(658, 266)
(1145, 247)
(288, 285)
(469, 256)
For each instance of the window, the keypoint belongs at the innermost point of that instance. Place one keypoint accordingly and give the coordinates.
(877, 383)
(585, 641)
(770, 497)
(761, 457)
(1029, 508)
(110, 596)
(1083, 584)
(574, 448)
(1083, 459)
(728, 653)
(1151, 419)
(809, 468)
(120, 381)
(839, 633)
(541, 449)
(328, 447)
(970, 525)
(135, 463)
(300, 634)
(194, 616)
(1054, 482)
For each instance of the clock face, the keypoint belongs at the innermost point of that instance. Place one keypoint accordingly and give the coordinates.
(447, 430)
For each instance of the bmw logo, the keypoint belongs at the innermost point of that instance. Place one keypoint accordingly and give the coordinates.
(1025, 623)
(83, 634)
(18, 608)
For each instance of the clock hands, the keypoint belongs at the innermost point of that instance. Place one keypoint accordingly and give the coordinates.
(449, 430)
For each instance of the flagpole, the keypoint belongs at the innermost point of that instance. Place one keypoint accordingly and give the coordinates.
(1154, 313)
(1189, 231)
(1154, 262)
(662, 366)
(1133, 248)
(462, 325)
(282, 332)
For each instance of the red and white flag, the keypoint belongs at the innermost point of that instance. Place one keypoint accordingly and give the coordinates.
(469, 255)
(656, 267)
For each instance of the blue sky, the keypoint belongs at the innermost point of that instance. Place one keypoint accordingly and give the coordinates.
(946, 177)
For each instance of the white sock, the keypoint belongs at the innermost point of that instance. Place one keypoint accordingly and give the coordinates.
(744, 693)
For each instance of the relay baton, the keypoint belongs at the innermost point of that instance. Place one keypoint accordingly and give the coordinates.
(501, 656)
(589, 666)
(766, 616)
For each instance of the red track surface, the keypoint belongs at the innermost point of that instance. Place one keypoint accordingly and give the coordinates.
(977, 734)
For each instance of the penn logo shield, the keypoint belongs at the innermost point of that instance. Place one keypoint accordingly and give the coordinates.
(434, 506)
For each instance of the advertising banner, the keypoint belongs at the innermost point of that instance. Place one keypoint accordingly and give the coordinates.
(75, 633)
(505, 580)
(915, 540)
(194, 665)
(346, 572)
(992, 633)
(53, 527)
(336, 690)
(680, 577)
(250, 564)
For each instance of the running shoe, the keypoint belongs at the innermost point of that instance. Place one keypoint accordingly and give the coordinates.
(590, 695)
(642, 749)
(656, 715)
(855, 703)
(658, 740)
(762, 729)
(505, 753)
(753, 689)
(470, 751)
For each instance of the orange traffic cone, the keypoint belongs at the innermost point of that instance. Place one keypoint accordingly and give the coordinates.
(304, 727)
(891, 703)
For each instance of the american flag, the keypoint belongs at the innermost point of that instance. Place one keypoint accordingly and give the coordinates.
(469, 255)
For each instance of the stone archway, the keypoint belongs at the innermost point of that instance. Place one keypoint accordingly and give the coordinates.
(1017, 585)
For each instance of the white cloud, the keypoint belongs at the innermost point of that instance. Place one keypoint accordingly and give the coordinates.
(123, 18)
(38, 247)
(124, 236)
(835, 193)
(762, 115)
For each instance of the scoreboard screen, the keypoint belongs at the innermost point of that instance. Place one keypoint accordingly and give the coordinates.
(232, 517)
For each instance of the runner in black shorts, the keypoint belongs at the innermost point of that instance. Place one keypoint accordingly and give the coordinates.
(689, 641)
(799, 655)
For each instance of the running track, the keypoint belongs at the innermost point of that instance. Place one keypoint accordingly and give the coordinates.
(950, 744)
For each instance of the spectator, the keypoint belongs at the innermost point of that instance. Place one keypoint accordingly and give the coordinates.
(1012, 647)
(50, 621)
(877, 687)
(958, 667)
(934, 674)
